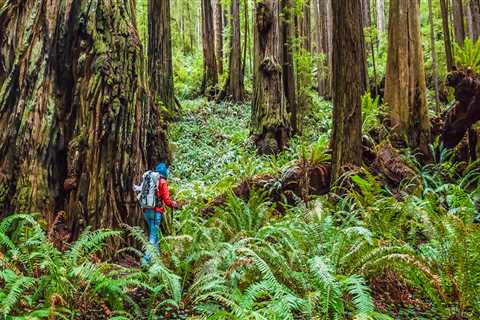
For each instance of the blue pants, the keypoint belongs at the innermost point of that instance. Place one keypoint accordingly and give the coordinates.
(153, 220)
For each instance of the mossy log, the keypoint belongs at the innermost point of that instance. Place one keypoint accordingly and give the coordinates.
(75, 111)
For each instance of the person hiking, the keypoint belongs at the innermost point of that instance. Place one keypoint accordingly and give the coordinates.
(152, 195)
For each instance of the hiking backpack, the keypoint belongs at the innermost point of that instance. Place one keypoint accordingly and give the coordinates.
(148, 194)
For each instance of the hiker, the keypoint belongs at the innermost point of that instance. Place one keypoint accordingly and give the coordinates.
(152, 195)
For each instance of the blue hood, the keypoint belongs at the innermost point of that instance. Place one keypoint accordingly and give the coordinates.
(162, 169)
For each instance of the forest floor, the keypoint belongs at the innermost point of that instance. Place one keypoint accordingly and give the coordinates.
(369, 253)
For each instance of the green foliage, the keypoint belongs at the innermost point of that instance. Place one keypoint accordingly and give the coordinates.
(468, 55)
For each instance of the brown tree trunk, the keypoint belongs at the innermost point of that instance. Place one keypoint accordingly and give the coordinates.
(306, 26)
(348, 85)
(270, 125)
(446, 34)
(458, 23)
(289, 79)
(475, 11)
(219, 34)
(365, 13)
(324, 28)
(434, 56)
(75, 113)
(381, 15)
(210, 72)
(405, 87)
(234, 86)
(160, 67)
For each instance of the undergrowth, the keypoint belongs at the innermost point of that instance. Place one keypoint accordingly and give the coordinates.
(314, 261)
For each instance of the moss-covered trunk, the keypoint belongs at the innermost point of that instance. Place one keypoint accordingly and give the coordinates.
(74, 111)
(270, 123)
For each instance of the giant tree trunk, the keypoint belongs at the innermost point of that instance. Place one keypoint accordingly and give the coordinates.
(270, 125)
(405, 87)
(348, 85)
(475, 10)
(210, 72)
(289, 76)
(234, 85)
(446, 34)
(74, 111)
(458, 23)
(160, 67)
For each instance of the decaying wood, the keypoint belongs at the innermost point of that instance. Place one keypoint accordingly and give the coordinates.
(74, 111)
(300, 181)
(467, 110)
(304, 180)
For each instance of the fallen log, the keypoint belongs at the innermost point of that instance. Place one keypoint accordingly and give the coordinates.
(305, 180)
(300, 181)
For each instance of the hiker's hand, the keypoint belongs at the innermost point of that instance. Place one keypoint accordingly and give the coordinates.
(178, 204)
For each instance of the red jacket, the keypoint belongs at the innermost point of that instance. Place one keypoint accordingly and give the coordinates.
(163, 196)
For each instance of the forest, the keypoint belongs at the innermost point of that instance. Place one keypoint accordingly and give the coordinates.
(310, 159)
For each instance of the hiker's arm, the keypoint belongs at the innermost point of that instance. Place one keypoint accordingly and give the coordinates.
(165, 195)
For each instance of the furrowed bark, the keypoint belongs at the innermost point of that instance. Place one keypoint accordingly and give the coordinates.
(160, 67)
(348, 85)
(74, 111)
(210, 72)
(405, 85)
(234, 85)
(270, 123)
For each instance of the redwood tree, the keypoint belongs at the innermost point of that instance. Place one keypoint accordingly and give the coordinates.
(160, 67)
(210, 72)
(405, 86)
(475, 12)
(446, 34)
(234, 85)
(458, 21)
(75, 114)
(288, 64)
(349, 76)
(323, 15)
(270, 124)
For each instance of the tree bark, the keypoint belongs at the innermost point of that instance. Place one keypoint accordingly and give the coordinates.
(405, 85)
(160, 67)
(270, 125)
(348, 85)
(306, 26)
(446, 34)
(324, 27)
(74, 111)
(219, 34)
(434, 56)
(475, 11)
(210, 72)
(365, 13)
(381, 15)
(234, 90)
(289, 75)
(458, 23)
